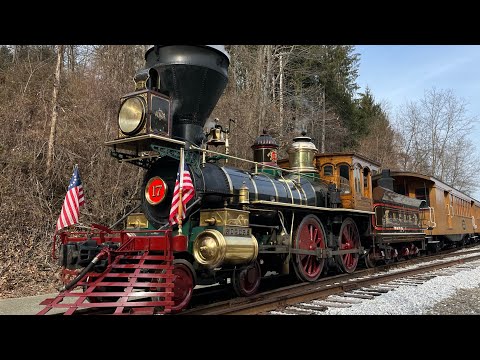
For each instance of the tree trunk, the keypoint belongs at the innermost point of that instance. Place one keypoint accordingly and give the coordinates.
(266, 85)
(280, 94)
(71, 57)
(53, 124)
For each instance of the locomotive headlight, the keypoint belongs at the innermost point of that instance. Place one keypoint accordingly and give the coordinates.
(131, 115)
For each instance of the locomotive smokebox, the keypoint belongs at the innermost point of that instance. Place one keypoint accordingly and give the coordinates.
(194, 77)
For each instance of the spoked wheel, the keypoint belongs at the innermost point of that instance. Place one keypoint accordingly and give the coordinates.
(183, 284)
(392, 258)
(404, 253)
(310, 235)
(246, 280)
(349, 238)
(372, 257)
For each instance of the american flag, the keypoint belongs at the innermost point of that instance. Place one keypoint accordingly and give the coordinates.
(183, 181)
(73, 200)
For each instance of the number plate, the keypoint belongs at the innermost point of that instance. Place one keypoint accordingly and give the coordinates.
(237, 231)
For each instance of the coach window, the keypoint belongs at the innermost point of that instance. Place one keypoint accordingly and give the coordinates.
(422, 194)
(366, 182)
(328, 170)
(357, 177)
(344, 171)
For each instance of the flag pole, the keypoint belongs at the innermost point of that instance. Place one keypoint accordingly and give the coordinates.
(180, 191)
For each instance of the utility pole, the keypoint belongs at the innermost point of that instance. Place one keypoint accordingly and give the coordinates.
(323, 123)
(280, 94)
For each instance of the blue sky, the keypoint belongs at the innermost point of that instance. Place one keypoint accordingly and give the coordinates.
(400, 73)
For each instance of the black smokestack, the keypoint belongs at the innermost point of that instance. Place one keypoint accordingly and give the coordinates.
(194, 76)
(386, 181)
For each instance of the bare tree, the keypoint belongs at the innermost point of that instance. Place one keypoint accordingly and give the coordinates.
(434, 136)
(53, 123)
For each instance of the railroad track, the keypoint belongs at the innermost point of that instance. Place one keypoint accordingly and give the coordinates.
(340, 290)
(220, 299)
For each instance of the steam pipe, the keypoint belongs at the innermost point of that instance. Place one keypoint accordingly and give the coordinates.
(92, 263)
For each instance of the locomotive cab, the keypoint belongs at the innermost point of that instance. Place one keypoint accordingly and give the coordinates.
(352, 174)
(349, 172)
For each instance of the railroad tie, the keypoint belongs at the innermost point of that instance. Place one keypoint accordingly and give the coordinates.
(424, 278)
(382, 289)
(331, 304)
(405, 283)
(393, 286)
(311, 307)
(297, 311)
(358, 296)
(284, 312)
(342, 299)
(370, 292)
(414, 281)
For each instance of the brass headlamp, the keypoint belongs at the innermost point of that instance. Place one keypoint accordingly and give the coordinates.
(131, 115)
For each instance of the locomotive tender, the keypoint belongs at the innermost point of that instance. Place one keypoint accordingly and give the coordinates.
(304, 215)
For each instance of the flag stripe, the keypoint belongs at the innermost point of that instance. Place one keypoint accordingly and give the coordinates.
(74, 199)
(184, 180)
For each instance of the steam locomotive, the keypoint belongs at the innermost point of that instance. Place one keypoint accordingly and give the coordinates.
(305, 215)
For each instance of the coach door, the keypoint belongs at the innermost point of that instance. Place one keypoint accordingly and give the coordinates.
(448, 208)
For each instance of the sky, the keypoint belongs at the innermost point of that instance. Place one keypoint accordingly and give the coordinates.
(399, 73)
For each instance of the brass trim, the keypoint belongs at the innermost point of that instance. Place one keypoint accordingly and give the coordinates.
(140, 85)
(243, 195)
(298, 191)
(287, 182)
(210, 221)
(314, 193)
(193, 147)
(141, 124)
(147, 194)
(140, 158)
(213, 253)
(136, 220)
(226, 217)
(212, 249)
(399, 233)
(143, 137)
(255, 187)
(263, 202)
(304, 193)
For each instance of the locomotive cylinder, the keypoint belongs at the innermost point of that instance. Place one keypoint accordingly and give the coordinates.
(213, 249)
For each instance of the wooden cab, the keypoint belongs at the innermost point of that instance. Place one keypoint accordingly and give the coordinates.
(352, 174)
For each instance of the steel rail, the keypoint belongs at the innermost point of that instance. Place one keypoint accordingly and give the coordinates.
(321, 289)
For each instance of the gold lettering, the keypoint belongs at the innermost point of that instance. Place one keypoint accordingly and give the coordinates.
(156, 190)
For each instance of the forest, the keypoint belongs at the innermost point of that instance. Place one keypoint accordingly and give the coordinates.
(59, 104)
